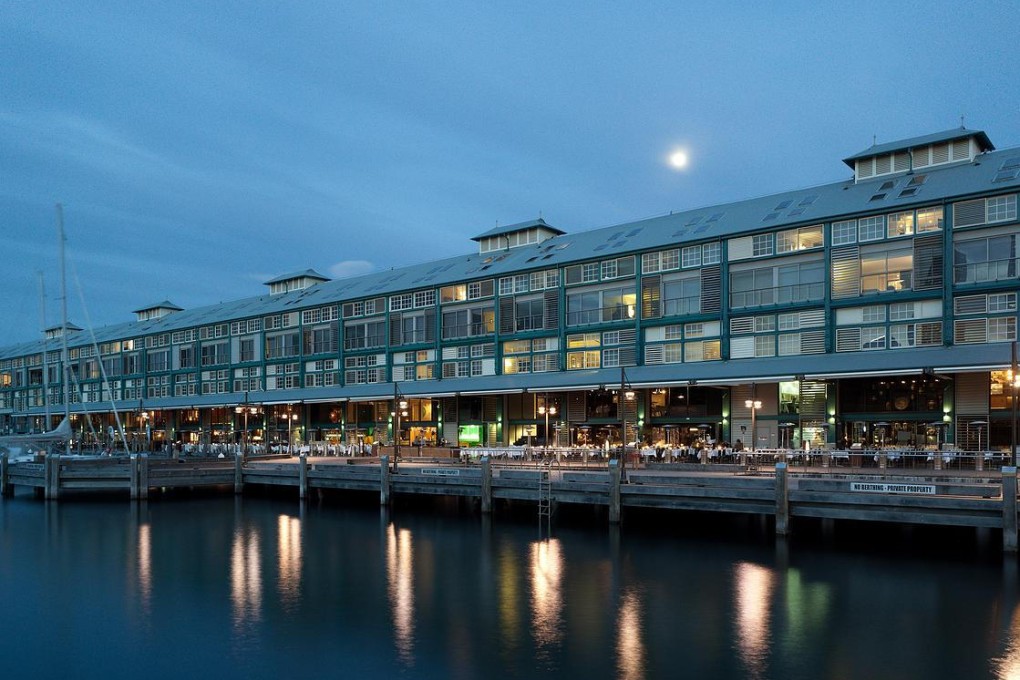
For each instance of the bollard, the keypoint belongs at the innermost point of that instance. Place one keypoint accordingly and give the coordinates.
(1009, 536)
(384, 480)
(614, 491)
(782, 500)
(303, 476)
(238, 478)
(486, 485)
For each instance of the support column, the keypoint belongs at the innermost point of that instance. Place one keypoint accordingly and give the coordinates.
(384, 480)
(1009, 535)
(883, 460)
(782, 500)
(303, 476)
(5, 475)
(614, 491)
(238, 478)
(486, 485)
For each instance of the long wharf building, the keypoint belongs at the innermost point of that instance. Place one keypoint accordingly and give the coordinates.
(880, 309)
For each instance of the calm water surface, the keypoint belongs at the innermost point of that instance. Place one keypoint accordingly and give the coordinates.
(263, 588)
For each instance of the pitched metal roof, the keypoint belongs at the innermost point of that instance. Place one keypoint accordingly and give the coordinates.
(935, 138)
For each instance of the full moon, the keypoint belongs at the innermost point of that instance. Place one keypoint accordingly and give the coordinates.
(678, 159)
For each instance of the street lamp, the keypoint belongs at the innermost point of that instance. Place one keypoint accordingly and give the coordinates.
(754, 405)
(246, 410)
(399, 409)
(547, 410)
(626, 394)
(291, 417)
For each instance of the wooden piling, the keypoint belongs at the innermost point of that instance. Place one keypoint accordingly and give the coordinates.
(5, 475)
(782, 500)
(614, 491)
(143, 477)
(1009, 523)
(384, 480)
(238, 478)
(133, 482)
(303, 476)
(52, 477)
(486, 485)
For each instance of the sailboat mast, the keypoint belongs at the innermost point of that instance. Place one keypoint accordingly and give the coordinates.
(45, 351)
(65, 368)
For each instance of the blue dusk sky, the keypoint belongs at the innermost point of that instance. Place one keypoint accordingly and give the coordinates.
(201, 148)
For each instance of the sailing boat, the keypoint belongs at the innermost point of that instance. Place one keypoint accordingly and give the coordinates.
(22, 446)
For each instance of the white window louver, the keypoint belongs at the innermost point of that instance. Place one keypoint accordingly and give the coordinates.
(970, 304)
(848, 339)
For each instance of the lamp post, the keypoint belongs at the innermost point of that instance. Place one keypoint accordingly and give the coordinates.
(399, 409)
(626, 395)
(246, 410)
(291, 417)
(754, 405)
(547, 410)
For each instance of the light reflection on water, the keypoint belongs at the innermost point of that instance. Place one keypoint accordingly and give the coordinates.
(753, 586)
(289, 552)
(546, 561)
(400, 580)
(255, 591)
(245, 578)
(630, 647)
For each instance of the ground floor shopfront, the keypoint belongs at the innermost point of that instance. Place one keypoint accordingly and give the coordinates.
(969, 411)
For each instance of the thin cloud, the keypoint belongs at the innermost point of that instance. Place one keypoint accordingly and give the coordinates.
(349, 268)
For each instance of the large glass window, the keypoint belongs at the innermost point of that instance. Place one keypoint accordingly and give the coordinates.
(978, 260)
(887, 270)
(681, 296)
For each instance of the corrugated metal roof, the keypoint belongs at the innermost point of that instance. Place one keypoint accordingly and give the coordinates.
(935, 138)
(799, 207)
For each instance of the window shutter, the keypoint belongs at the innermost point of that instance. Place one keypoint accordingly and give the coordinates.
(651, 297)
(552, 309)
(396, 330)
(506, 316)
(928, 262)
(969, 213)
(711, 289)
(846, 273)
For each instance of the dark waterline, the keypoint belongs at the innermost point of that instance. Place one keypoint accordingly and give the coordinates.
(263, 588)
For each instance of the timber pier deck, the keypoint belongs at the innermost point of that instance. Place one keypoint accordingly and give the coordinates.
(941, 498)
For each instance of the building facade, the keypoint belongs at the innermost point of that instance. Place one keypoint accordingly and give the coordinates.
(880, 309)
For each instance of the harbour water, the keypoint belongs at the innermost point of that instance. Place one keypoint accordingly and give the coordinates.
(265, 588)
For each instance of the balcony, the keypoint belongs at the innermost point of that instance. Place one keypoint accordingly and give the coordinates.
(780, 295)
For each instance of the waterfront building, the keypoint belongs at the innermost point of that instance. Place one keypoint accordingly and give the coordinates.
(879, 309)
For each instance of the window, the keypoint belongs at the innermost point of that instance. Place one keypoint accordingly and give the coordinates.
(761, 245)
(691, 256)
(986, 259)
(871, 228)
(468, 322)
(929, 219)
(528, 315)
(793, 240)
(597, 306)
(889, 270)
(711, 253)
(901, 224)
(1001, 208)
(844, 232)
(681, 296)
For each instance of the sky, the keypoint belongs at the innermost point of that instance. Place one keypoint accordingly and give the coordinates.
(201, 148)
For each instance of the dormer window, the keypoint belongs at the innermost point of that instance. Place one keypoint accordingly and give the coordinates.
(156, 311)
(296, 281)
(515, 236)
(953, 146)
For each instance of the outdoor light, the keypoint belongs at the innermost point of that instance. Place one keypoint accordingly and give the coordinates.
(547, 410)
(754, 405)
(626, 394)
